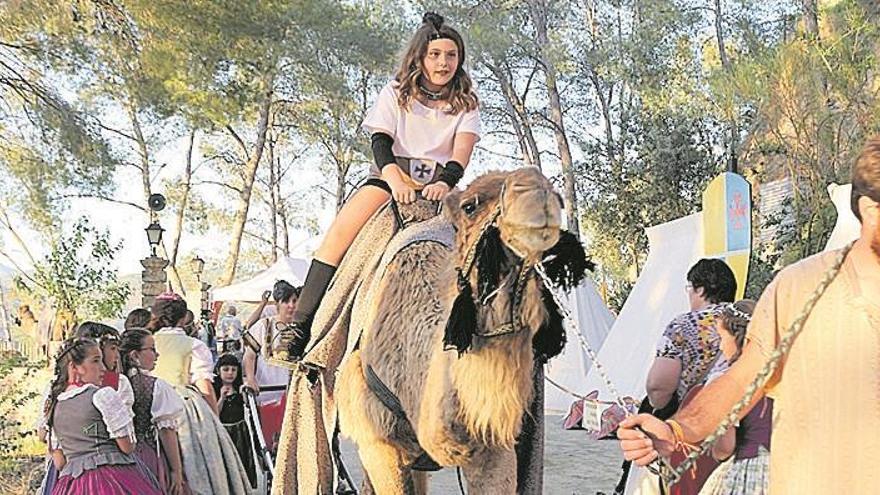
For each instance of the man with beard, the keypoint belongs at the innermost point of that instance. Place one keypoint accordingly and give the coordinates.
(826, 424)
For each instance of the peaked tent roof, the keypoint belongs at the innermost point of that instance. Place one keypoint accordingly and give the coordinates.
(292, 270)
(847, 228)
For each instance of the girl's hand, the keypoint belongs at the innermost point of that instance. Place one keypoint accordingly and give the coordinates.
(225, 391)
(178, 485)
(436, 191)
(400, 190)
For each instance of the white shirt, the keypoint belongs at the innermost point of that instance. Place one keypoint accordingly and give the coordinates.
(267, 375)
(167, 407)
(421, 132)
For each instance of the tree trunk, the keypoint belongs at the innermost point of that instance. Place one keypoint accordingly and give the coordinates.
(810, 18)
(244, 200)
(181, 213)
(282, 212)
(273, 199)
(143, 153)
(538, 10)
(733, 144)
(518, 117)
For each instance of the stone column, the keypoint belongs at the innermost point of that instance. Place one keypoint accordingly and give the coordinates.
(154, 280)
(205, 302)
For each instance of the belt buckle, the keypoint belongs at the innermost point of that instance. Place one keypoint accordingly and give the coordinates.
(422, 171)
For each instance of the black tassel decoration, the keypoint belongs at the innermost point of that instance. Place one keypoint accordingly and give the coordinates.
(462, 323)
(550, 339)
(489, 261)
(566, 263)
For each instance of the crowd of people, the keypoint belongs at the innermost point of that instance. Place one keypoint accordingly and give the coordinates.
(151, 410)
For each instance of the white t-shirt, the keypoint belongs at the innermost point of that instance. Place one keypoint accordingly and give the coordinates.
(267, 375)
(423, 133)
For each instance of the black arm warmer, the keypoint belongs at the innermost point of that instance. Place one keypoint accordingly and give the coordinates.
(382, 153)
(452, 173)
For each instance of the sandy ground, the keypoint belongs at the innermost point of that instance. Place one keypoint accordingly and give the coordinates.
(573, 464)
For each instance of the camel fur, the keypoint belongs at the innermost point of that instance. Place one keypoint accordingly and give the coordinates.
(464, 408)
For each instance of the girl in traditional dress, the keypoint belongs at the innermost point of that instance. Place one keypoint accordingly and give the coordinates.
(748, 471)
(108, 340)
(91, 429)
(210, 462)
(227, 386)
(423, 128)
(157, 410)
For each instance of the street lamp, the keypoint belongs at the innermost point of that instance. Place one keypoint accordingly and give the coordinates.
(198, 266)
(154, 236)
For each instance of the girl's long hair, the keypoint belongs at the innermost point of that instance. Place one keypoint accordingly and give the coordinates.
(459, 91)
(132, 340)
(74, 351)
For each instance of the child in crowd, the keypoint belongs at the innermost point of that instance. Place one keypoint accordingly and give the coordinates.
(108, 340)
(91, 429)
(157, 411)
(227, 386)
(748, 472)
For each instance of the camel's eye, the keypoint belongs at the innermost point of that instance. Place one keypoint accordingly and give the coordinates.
(469, 207)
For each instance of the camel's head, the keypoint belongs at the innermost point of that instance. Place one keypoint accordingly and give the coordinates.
(522, 205)
(506, 223)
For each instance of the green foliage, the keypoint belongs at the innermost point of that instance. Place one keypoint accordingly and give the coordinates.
(78, 274)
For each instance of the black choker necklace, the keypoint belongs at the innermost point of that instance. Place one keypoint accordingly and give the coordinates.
(431, 95)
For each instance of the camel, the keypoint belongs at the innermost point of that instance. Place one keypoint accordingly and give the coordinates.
(453, 339)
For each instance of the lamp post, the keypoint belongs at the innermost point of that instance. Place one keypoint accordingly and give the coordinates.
(154, 236)
(153, 278)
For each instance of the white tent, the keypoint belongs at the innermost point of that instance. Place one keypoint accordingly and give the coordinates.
(292, 270)
(657, 297)
(847, 228)
(570, 368)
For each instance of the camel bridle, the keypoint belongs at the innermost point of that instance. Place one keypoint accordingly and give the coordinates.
(526, 270)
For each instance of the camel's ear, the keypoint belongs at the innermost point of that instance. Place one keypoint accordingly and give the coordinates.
(462, 323)
(549, 341)
(566, 263)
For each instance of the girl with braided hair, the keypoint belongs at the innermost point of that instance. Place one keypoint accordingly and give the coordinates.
(108, 338)
(210, 461)
(92, 447)
(423, 127)
(157, 411)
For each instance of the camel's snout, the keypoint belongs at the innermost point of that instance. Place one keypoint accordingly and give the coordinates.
(531, 213)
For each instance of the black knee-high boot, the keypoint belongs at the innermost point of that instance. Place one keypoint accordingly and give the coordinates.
(299, 331)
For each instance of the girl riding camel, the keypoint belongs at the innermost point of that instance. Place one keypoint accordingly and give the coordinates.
(423, 126)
